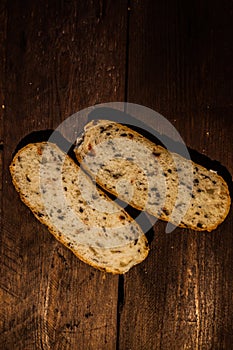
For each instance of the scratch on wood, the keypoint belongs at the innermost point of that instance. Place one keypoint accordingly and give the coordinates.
(101, 10)
(10, 292)
(45, 321)
(197, 306)
(45, 340)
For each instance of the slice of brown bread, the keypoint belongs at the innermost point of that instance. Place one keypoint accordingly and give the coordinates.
(150, 178)
(84, 219)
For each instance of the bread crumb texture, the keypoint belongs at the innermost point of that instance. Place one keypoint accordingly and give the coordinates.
(150, 178)
(62, 197)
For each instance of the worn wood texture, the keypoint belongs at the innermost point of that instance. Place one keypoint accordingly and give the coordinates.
(3, 28)
(61, 57)
(180, 64)
(58, 57)
(3, 21)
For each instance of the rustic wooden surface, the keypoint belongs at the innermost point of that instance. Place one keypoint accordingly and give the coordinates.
(58, 57)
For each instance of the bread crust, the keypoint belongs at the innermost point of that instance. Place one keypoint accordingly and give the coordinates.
(79, 249)
(98, 131)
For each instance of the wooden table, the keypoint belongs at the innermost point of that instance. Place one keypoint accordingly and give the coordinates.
(58, 57)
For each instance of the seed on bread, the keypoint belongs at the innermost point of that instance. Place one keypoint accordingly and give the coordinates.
(83, 218)
(193, 196)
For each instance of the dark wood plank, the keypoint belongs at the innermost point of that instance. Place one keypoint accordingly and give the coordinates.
(3, 27)
(62, 56)
(180, 64)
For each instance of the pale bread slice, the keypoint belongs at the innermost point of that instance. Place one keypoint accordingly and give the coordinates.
(84, 219)
(150, 178)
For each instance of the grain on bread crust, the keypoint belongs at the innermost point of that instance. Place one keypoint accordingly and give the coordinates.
(85, 220)
(150, 178)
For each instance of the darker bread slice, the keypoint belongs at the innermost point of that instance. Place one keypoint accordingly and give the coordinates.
(85, 220)
(151, 178)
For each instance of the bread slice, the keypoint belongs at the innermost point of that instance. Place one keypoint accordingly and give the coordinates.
(84, 219)
(150, 178)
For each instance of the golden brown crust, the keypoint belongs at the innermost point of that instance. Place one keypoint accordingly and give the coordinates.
(81, 152)
(54, 232)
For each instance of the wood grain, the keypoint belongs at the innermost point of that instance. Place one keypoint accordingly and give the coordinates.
(60, 58)
(3, 29)
(180, 64)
